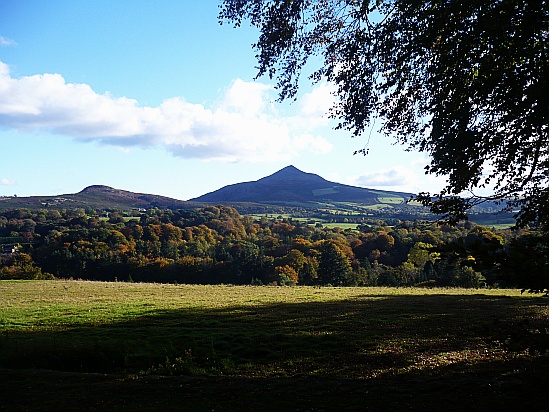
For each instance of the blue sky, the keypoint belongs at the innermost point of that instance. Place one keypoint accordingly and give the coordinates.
(154, 96)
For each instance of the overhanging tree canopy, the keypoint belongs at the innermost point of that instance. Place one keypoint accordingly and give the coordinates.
(465, 81)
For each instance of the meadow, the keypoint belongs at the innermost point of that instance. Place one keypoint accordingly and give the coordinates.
(88, 345)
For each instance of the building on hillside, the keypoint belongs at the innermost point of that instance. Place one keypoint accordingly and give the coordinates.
(7, 250)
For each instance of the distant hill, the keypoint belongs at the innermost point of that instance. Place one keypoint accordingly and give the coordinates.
(97, 197)
(292, 185)
(287, 187)
(285, 190)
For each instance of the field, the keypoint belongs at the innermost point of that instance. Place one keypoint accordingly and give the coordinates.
(391, 200)
(90, 345)
(343, 226)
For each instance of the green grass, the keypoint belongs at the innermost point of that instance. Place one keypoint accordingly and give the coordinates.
(494, 224)
(340, 225)
(88, 345)
(394, 200)
(379, 206)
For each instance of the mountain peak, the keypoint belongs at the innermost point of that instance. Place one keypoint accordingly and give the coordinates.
(290, 169)
(98, 188)
(291, 173)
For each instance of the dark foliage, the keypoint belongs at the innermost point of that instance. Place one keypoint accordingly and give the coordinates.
(465, 81)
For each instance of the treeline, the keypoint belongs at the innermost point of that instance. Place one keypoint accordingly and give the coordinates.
(216, 245)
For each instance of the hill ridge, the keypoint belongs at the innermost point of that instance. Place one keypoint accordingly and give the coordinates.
(288, 186)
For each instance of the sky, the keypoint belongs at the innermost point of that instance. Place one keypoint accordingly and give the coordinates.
(155, 96)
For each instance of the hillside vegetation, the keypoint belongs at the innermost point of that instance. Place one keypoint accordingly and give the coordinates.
(94, 197)
(215, 245)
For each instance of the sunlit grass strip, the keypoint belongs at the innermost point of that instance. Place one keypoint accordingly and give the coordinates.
(252, 331)
(42, 303)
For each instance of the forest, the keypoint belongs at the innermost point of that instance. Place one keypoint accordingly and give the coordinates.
(217, 245)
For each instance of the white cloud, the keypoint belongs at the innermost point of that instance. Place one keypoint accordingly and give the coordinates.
(4, 41)
(401, 178)
(245, 97)
(7, 182)
(242, 126)
(316, 144)
(395, 176)
(315, 106)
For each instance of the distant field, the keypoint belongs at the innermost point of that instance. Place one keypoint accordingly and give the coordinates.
(303, 219)
(279, 215)
(341, 225)
(394, 200)
(497, 226)
(492, 223)
(379, 206)
(88, 345)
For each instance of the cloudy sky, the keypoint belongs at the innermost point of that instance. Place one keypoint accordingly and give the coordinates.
(154, 96)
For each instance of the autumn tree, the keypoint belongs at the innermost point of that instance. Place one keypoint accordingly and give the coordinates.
(21, 266)
(286, 275)
(467, 82)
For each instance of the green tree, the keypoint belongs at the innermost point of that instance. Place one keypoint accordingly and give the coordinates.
(526, 263)
(423, 258)
(334, 268)
(465, 81)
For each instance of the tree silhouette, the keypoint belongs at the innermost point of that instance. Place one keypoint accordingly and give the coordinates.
(465, 81)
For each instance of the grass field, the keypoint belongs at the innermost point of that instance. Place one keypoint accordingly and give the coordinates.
(397, 200)
(379, 206)
(340, 225)
(90, 345)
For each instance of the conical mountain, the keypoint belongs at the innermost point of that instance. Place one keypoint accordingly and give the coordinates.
(293, 185)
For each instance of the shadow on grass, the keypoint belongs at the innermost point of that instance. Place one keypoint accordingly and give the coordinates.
(373, 352)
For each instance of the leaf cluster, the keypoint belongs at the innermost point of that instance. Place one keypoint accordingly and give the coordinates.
(465, 82)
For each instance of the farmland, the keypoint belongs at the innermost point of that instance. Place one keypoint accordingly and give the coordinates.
(132, 345)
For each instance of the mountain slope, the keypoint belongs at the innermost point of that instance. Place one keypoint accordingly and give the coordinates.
(289, 186)
(96, 193)
(292, 185)
(97, 197)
